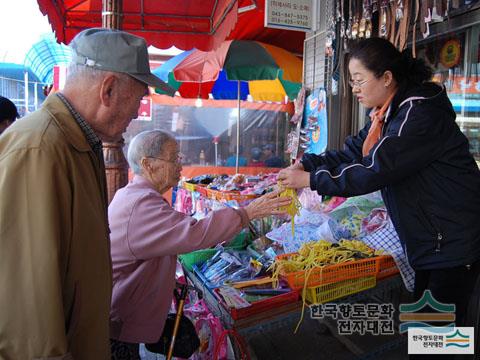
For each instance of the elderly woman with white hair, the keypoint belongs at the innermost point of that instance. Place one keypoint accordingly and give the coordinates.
(147, 234)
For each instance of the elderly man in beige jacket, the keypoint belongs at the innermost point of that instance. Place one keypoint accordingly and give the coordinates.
(55, 267)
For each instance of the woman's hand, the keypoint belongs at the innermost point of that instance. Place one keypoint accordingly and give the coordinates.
(297, 166)
(267, 204)
(294, 178)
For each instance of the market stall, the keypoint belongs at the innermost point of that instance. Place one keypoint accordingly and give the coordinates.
(328, 251)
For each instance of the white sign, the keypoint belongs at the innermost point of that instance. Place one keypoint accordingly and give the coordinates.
(59, 77)
(145, 109)
(291, 14)
(441, 340)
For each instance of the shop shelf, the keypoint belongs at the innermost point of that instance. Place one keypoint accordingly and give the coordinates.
(332, 273)
(258, 306)
(329, 292)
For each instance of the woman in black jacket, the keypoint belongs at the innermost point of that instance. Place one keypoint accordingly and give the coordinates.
(414, 152)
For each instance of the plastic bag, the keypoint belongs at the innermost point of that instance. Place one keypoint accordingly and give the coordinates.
(357, 205)
(310, 200)
(209, 330)
(377, 219)
(306, 226)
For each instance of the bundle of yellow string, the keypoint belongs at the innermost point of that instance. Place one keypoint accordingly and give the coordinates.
(317, 254)
(294, 207)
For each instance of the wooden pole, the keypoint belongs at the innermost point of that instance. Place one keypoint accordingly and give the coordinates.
(116, 166)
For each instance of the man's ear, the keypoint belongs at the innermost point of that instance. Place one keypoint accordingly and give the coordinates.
(108, 86)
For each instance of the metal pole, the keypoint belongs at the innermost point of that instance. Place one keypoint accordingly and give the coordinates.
(35, 99)
(25, 80)
(238, 128)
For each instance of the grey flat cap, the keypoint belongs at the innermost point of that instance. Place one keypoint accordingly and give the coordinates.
(118, 51)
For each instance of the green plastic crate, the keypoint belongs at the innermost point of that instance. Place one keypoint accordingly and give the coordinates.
(197, 257)
(200, 256)
(241, 239)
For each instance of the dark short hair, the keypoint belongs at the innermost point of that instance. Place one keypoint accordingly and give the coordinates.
(379, 55)
(256, 153)
(8, 110)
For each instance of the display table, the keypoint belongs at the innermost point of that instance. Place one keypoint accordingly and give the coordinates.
(281, 320)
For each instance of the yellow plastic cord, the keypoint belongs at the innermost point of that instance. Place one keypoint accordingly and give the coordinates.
(294, 207)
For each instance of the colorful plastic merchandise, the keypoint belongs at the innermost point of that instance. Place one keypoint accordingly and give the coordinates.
(202, 189)
(329, 292)
(200, 256)
(217, 194)
(193, 261)
(259, 306)
(230, 195)
(334, 273)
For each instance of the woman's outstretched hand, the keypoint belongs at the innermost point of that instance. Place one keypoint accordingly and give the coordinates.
(268, 204)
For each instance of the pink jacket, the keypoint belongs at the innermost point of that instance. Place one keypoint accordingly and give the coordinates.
(146, 236)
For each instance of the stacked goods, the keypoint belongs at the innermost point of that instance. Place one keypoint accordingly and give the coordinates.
(240, 188)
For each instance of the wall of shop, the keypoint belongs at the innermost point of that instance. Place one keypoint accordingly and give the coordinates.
(451, 48)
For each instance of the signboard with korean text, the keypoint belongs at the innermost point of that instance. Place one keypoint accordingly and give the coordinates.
(291, 14)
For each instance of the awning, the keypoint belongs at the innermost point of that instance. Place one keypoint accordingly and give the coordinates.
(163, 23)
(188, 24)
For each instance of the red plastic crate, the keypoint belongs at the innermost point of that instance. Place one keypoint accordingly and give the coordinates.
(258, 306)
(387, 267)
(332, 273)
(202, 189)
